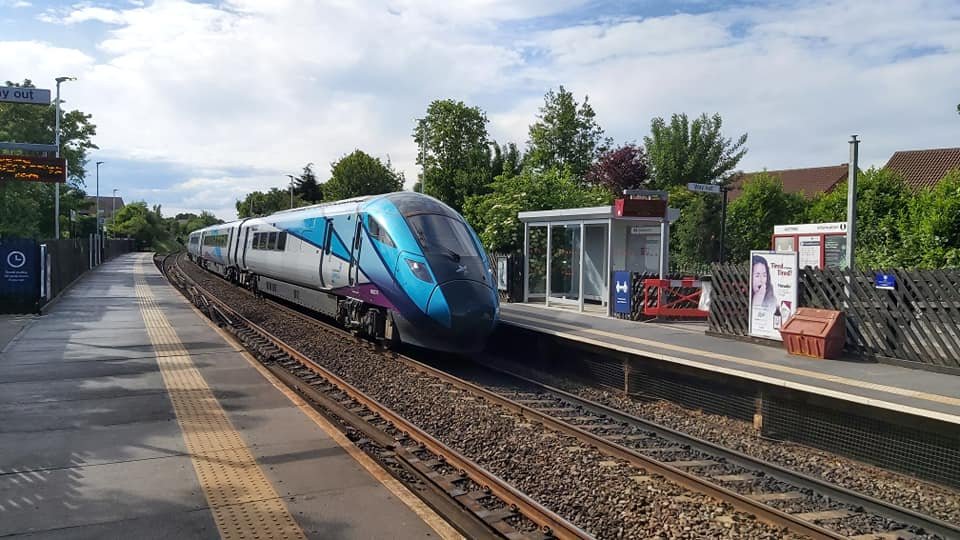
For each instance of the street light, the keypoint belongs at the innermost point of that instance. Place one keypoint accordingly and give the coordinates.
(113, 213)
(291, 177)
(98, 228)
(56, 142)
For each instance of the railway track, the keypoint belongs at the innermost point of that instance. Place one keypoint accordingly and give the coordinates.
(473, 500)
(803, 505)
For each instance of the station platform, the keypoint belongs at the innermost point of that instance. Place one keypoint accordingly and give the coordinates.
(125, 414)
(911, 391)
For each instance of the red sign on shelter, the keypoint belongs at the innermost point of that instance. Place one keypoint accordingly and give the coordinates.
(33, 169)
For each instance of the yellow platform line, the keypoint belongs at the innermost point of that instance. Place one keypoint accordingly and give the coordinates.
(525, 322)
(241, 498)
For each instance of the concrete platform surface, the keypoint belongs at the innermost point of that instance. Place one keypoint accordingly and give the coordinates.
(913, 391)
(96, 440)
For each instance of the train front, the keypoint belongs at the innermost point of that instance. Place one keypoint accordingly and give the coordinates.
(461, 306)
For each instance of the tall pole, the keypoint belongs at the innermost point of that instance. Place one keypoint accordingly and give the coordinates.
(852, 201)
(56, 143)
(723, 221)
(291, 177)
(56, 185)
(98, 228)
(113, 213)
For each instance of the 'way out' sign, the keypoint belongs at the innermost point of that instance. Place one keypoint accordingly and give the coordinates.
(13, 94)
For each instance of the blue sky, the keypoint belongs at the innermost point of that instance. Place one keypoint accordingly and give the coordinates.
(198, 103)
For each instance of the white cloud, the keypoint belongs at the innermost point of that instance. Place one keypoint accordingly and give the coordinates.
(269, 86)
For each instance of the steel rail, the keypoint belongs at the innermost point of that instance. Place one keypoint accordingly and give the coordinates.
(549, 522)
(800, 480)
(691, 481)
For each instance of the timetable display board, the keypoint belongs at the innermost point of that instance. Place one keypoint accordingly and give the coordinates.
(33, 169)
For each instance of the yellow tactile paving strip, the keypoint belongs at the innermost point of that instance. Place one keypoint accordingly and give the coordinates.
(535, 323)
(242, 500)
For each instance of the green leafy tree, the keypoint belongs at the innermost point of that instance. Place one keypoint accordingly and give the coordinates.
(684, 151)
(695, 236)
(32, 206)
(359, 174)
(307, 187)
(260, 203)
(752, 216)
(933, 225)
(137, 221)
(454, 152)
(883, 200)
(494, 216)
(566, 134)
(506, 160)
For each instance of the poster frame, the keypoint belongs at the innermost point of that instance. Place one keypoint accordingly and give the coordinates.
(783, 280)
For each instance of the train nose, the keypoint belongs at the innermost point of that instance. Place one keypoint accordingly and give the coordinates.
(472, 309)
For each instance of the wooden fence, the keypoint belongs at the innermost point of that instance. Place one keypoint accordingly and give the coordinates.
(917, 322)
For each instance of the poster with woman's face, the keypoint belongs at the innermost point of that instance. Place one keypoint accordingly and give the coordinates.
(773, 292)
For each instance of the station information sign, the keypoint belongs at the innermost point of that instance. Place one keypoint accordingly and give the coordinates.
(33, 169)
(19, 94)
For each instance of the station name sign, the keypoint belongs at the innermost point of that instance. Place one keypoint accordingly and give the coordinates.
(812, 228)
(17, 94)
(33, 169)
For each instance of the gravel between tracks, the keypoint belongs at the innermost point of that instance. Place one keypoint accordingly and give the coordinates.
(931, 499)
(605, 497)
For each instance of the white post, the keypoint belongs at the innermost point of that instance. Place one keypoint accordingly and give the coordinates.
(546, 299)
(664, 248)
(526, 262)
(852, 201)
(609, 270)
(582, 236)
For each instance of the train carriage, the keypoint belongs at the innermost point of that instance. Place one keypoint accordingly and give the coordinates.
(396, 266)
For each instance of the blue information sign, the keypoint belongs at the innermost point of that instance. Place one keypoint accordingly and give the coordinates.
(621, 291)
(886, 281)
(19, 275)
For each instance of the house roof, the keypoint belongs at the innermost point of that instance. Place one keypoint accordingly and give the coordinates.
(105, 202)
(924, 168)
(810, 180)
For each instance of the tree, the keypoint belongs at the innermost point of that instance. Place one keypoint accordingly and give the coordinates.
(494, 216)
(883, 200)
(506, 160)
(259, 203)
(619, 169)
(31, 206)
(307, 187)
(685, 151)
(933, 225)
(752, 216)
(695, 237)
(566, 134)
(454, 154)
(359, 174)
(137, 221)
(205, 219)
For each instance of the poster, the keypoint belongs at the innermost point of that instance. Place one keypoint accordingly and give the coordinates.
(835, 251)
(809, 253)
(773, 292)
(501, 273)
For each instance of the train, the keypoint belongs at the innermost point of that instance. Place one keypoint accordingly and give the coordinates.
(400, 267)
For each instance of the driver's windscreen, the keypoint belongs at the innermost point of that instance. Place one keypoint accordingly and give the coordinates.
(449, 247)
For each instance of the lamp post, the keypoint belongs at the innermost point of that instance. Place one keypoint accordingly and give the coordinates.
(113, 213)
(56, 143)
(98, 228)
(291, 177)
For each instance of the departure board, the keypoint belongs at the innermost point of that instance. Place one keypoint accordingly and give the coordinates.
(33, 169)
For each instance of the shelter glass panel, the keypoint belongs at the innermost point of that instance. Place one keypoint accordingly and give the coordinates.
(537, 261)
(565, 263)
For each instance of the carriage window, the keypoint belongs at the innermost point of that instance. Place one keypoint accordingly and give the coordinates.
(377, 231)
(282, 241)
(272, 241)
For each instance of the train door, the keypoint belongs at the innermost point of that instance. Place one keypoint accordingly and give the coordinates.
(246, 241)
(325, 251)
(354, 273)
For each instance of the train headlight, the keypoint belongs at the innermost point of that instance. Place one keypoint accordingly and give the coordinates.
(420, 270)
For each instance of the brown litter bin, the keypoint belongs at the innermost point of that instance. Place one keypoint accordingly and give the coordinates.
(819, 333)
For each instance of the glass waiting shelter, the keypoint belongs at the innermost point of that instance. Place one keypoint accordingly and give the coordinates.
(569, 254)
